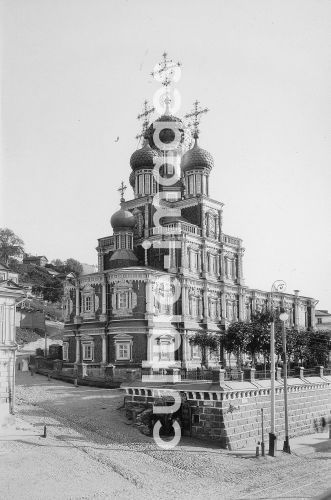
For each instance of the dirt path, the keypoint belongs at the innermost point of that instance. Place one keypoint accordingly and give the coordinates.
(91, 452)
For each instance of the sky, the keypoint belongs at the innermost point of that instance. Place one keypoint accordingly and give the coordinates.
(75, 74)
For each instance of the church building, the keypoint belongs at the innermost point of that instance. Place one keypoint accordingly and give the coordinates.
(168, 271)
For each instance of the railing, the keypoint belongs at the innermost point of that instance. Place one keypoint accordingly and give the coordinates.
(262, 374)
(230, 239)
(197, 375)
(327, 371)
(175, 228)
(311, 372)
(106, 242)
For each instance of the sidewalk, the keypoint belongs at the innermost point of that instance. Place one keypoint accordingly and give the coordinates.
(300, 446)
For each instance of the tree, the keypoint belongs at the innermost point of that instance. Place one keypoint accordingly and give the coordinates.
(10, 245)
(318, 347)
(251, 337)
(68, 266)
(58, 263)
(205, 341)
(73, 266)
(259, 334)
(235, 338)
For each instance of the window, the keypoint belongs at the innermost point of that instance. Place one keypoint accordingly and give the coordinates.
(117, 241)
(123, 350)
(319, 321)
(198, 184)
(147, 183)
(190, 184)
(122, 300)
(65, 351)
(195, 351)
(165, 350)
(88, 351)
(123, 241)
(140, 184)
(88, 304)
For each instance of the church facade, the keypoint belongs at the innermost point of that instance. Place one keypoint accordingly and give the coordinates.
(168, 271)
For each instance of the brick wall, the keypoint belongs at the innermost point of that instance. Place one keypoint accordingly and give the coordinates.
(72, 349)
(233, 418)
(97, 349)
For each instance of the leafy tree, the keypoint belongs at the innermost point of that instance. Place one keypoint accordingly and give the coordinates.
(259, 334)
(205, 341)
(235, 338)
(58, 263)
(68, 266)
(73, 266)
(318, 348)
(15, 265)
(10, 245)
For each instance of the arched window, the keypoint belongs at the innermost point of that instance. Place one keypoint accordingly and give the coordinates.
(147, 184)
(88, 303)
(198, 184)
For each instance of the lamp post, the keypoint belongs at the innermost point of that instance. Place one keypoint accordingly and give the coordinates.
(283, 317)
(277, 286)
(146, 244)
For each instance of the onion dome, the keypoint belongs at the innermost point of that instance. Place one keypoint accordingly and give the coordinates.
(123, 219)
(166, 135)
(143, 157)
(197, 158)
(131, 179)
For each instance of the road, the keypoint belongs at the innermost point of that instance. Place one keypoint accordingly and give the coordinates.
(91, 452)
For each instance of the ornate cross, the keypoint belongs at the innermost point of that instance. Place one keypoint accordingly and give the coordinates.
(121, 189)
(197, 112)
(166, 70)
(144, 116)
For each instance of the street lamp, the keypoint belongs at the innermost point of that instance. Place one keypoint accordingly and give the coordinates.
(283, 317)
(277, 286)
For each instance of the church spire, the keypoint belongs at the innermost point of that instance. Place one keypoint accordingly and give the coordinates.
(196, 113)
(121, 189)
(144, 116)
(165, 72)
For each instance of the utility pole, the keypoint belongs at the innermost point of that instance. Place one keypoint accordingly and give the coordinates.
(283, 317)
(272, 435)
(278, 286)
(45, 354)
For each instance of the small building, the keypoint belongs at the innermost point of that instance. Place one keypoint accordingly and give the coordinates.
(323, 320)
(35, 260)
(7, 274)
(30, 314)
(10, 293)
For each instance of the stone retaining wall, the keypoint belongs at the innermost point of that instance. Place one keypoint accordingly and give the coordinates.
(233, 417)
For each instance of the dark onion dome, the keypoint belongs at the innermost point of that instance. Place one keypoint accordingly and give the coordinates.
(143, 157)
(197, 158)
(131, 179)
(123, 219)
(167, 135)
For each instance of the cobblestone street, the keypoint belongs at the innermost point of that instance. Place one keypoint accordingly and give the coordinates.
(92, 451)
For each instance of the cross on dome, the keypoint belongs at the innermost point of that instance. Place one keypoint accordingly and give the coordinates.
(121, 189)
(196, 113)
(165, 70)
(144, 116)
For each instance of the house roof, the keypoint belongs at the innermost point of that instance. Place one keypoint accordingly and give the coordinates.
(30, 304)
(34, 257)
(322, 312)
(3, 266)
